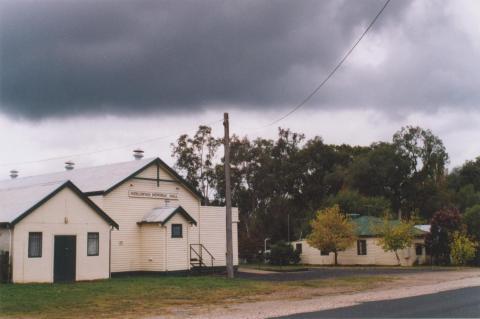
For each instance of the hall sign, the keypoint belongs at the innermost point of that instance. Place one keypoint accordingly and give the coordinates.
(155, 195)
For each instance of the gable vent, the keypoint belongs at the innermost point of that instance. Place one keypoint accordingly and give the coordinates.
(69, 165)
(13, 174)
(138, 154)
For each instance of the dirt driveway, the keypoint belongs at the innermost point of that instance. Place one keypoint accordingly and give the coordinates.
(405, 283)
(332, 272)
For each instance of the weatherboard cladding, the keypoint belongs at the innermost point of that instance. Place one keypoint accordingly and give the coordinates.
(147, 247)
(127, 244)
(63, 214)
(19, 201)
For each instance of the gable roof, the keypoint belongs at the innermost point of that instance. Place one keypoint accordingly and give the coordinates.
(99, 179)
(16, 203)
(367, 226)
(164, 214)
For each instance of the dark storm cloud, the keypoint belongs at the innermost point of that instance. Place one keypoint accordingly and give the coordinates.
(61, 58)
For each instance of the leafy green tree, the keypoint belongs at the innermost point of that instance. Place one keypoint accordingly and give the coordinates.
(444, 224)
(467, 197)
(467, 174)
(425, 189)
(462, 249)
(332, 231)
(471, 218)
(425, 151)
(195, 158)
(381, 172)
(352, 202)
(396, 236)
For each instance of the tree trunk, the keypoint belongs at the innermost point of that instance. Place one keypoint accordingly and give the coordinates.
(336, 258)
(398, 258)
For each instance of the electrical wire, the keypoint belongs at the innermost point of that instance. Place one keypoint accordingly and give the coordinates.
(334, 70)
(72, 156)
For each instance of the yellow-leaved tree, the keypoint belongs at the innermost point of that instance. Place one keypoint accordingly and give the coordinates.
(332, 231)
(396, 235)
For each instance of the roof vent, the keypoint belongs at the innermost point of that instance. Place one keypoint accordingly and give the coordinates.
(13, 174)
(69, 165)
(138, 154)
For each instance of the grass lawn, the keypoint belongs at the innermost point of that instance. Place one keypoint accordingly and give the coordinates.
(143, 296)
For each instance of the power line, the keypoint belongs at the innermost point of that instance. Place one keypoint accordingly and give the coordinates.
(101, 150)
(334, 70)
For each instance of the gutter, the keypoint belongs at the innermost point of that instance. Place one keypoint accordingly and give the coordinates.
(110, 253)
(10, 262)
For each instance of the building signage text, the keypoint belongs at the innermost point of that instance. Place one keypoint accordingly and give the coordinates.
(157, 195)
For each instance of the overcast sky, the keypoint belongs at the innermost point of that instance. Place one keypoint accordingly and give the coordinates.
(80, 76)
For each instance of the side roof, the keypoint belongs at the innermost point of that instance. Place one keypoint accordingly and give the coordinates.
(16, 203)
(164, 214)
(99, 179)
(367, 226)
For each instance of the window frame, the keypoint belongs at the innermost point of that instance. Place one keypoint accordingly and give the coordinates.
(324, 253)
(29, 249)
(362, 243)
(173, 235)
(98, 243)
(417, 247)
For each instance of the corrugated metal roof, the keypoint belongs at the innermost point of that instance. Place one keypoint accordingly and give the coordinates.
(89, 179)
(424, 228)
(163, 214)
(15, 201)
(158, 215)
(370, 225)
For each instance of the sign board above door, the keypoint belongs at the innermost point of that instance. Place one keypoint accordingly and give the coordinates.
(155, 195)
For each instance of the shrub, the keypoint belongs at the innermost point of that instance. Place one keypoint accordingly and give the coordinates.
(282, 253)
(462, 249)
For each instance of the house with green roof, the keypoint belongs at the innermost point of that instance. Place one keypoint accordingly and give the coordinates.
(367, 250)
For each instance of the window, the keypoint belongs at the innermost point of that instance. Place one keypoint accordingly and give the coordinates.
(324, 253)
(418, 249)
(177, 231)
(298, 247)
(93, 246)
(361, 247)
(34, 245)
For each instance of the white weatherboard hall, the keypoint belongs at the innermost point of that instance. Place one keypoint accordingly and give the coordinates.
(162, 224)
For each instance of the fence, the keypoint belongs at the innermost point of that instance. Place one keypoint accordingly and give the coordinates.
(4, 266)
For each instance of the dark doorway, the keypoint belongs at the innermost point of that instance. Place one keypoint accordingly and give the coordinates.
(64, 259)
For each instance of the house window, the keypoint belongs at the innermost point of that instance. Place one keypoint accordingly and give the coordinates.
(361, 247)
(34, 245)
(418, 249)
(298, 247)
(177, 231)
(324, 253)
(93, 245)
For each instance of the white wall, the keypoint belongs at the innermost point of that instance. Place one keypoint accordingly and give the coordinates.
(375, 255)
(50, 220)
(143, 248)
(127, 243)
(213, 232)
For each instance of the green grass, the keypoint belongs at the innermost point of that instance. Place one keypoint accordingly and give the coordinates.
(147, 296)
(120, 296)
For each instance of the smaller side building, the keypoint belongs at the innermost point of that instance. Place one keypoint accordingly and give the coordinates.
(54, 233)
(366, 250)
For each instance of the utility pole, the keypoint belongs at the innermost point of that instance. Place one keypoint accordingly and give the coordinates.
(228, 196)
